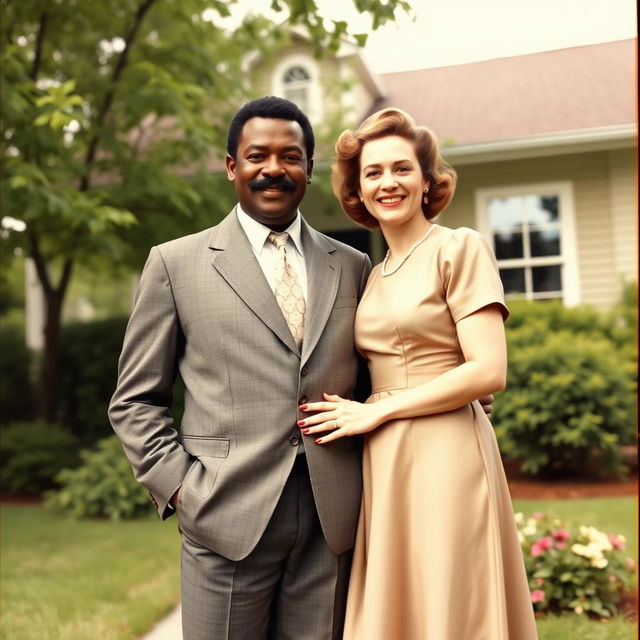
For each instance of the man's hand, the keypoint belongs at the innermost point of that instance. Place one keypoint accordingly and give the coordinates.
(487, 403)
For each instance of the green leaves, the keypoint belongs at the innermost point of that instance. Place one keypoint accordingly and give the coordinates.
(569, 401)
(102, 486)
(59, 106)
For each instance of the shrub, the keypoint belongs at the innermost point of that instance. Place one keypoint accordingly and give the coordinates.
(102, 486)
(32, 454)
(577, 569)
(16, 393)
(568, 404)
(89, 354)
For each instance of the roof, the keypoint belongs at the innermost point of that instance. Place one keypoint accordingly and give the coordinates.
(540, 94)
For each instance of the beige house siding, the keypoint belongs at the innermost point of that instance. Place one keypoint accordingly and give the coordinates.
(623, 202)
(605, 224)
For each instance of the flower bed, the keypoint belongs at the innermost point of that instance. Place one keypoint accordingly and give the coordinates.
(579, 569)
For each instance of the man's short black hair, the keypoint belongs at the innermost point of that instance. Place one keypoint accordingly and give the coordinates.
(269, 107)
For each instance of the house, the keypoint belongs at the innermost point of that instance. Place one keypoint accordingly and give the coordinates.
(544, 145)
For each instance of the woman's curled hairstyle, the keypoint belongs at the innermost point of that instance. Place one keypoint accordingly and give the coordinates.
(345, 172)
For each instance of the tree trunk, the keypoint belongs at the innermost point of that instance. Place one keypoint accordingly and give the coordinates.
(49, 371)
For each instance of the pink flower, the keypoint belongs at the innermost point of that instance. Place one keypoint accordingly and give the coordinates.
(613, 578)
(630, 563)
(539, 581)
(561, 535)
(561, 545)
(540, 546)
(537, 595)
(617, 542)
(538, 515)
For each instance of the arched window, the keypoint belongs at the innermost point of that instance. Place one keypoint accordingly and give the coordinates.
(296, 84)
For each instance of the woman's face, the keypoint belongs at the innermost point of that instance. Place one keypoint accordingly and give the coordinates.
(391, 181)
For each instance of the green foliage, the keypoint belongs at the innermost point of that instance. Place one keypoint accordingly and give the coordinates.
(32, 454)
(578, 569)
(16, 393)
(102, 486)
(88, 372)
(569, 401)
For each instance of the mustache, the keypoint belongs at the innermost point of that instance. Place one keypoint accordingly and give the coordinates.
(281, 182)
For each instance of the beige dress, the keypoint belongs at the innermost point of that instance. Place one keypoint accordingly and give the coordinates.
(437, 555)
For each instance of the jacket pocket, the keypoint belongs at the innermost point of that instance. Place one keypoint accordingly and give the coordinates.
(205, 446)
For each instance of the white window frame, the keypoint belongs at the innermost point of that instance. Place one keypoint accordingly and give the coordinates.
(568, 258)
(315, 110)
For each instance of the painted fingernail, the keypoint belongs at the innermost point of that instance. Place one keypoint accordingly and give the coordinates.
(302, 407)
(319, 441)
(305, 431)
(300, 423)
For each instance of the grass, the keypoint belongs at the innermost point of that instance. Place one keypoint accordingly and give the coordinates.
(95, 579)
(612, 515)
(84, 580)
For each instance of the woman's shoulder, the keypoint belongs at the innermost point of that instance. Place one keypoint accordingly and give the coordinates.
(459, 240)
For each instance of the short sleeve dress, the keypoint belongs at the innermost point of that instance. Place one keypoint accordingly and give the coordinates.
(437, 555)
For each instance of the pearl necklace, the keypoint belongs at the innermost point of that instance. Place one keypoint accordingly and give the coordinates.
(413, 248)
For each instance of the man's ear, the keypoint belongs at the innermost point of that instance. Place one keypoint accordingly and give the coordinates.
(231, 168)
(309, 170)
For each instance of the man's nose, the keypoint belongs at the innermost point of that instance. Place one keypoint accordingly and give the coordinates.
(273, 166)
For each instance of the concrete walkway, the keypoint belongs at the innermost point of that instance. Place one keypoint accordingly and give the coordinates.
(168, 629)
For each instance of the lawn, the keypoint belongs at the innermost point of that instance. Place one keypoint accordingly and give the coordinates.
(95, 579)
(84, 580)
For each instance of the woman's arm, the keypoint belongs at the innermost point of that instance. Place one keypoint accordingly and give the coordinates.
(482, 340)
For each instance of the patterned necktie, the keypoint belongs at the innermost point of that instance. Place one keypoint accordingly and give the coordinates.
(288, 291)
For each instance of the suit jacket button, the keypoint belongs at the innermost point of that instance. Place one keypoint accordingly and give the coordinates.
(294, 440)
(304, 371)
(302, 399)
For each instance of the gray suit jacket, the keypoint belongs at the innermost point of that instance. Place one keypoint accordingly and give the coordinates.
(204, 308)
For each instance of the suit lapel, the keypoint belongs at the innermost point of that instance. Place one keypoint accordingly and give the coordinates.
(323, 277)
(235, 261)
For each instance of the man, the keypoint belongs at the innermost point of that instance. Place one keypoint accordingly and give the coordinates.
(257, 325)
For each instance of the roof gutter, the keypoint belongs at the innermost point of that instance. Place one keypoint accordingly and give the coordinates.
(565, 142)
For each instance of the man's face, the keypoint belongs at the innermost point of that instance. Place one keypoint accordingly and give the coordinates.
(270, 170)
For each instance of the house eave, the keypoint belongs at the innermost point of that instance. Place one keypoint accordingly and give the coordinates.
(561, 143)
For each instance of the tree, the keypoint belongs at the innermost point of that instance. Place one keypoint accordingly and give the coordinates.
(106, 107)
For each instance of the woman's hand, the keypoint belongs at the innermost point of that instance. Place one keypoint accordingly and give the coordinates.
(341, 417)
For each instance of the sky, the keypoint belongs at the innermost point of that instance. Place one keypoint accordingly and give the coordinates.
(447, 32)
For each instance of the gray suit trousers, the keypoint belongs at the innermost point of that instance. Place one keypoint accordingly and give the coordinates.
(290, 587)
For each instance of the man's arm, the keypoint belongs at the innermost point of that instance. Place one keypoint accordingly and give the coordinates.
(139, 410)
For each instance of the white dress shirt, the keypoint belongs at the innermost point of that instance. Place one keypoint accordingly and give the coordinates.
(266, 252)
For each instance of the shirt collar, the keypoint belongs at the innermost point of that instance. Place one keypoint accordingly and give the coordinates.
(258, 233)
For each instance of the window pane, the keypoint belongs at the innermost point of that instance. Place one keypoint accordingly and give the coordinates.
(296, 74)
(506, 213)
(542, 209)
(547, 278)
(512, 280)
(299, 96)
(508, 245)
(545, 243)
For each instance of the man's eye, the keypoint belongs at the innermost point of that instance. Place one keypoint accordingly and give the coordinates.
(292, 158)
(255, 157)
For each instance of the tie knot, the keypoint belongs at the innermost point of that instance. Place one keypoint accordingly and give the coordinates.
(279, 238)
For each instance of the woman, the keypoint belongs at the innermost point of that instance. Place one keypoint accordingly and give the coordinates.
(437, 555)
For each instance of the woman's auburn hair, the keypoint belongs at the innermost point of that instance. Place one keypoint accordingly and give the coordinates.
(345, 171)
